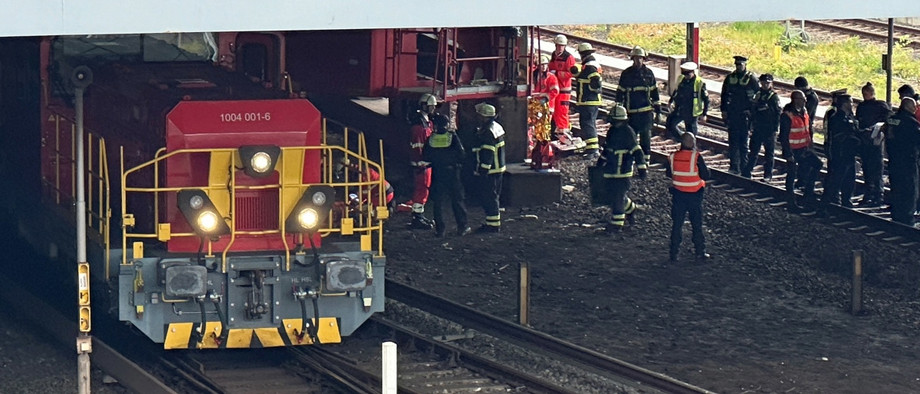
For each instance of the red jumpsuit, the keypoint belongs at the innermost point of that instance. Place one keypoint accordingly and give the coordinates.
(418, 136)
(561, 64)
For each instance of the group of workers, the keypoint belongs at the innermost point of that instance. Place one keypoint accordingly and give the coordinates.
(437, 158)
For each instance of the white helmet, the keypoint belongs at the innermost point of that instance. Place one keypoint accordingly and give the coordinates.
(688, 66)
(617, 113)
(638, 51)
(544, 59)
(560, 40)
(428, 99)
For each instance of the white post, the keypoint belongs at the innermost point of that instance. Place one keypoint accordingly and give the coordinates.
(388, 376)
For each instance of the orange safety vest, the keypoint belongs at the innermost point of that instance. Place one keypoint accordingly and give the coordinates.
(799, 137)
(685, 176)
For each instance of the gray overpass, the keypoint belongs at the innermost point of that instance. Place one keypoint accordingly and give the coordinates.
(77, 17)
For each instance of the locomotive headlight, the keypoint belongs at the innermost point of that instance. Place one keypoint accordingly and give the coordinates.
(196, 202)
(310, 211)
(208, 221)
(261, 162)
(308, 218)
(199, 211)
(319, 198)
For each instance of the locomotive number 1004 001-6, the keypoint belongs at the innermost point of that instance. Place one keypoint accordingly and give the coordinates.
(246, 117)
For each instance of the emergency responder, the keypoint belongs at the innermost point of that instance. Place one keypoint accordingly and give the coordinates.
(588, 101)
(844, 129)
(560, 64)
(902, 142)
(546, 87)
(908, 91)
(871, 114)
(801, 160)
(738, 90)
(418, 135)
(619, 153)
(445, 153)
(765, 112)
(368, 195)
(690, 101)
(811, 101)
(687, 170)
(828, 137)
(637, 90)
(490, 165)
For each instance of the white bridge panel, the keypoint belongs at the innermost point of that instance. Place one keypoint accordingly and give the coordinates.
(77, 17)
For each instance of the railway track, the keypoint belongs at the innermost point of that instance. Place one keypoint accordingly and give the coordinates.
(872, 222)
(868, 30)
(559, 350)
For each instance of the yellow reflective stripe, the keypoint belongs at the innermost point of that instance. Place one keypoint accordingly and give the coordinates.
(643, 109)
(497, 170)
(488, 147)
(485, 165)
(642, 166)
(417, 144)
(630, 207)
(495, 217)
(616, 176)
(639, 89)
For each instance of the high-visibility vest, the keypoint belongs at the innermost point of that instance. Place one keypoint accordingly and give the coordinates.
(685, 176)
(799, 137)
(440, 140)
(697, 92)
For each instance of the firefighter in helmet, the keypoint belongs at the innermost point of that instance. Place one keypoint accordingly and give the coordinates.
(619, 154)
(418, 135)
(637, 91)
(490, 165)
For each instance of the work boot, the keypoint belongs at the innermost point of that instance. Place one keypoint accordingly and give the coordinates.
(463, 231)
(485, 228)
(673, 257)
(420, 222)
(703, 256)
(631, 218)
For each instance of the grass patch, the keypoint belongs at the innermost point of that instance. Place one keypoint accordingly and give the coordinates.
(828, 64)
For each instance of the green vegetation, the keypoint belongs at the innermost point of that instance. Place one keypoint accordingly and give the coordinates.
(827, 63)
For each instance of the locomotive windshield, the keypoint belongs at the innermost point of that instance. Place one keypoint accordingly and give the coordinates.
(96, 51)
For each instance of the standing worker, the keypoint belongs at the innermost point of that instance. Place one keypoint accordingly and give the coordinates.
(903, 140)
(561, 64)
(811, 101)
(490, 165)
(588, 91)
(687, 170)
(637, 91)
(690, 101)
(765, 112)
(801, 160)
(871, 113)
(844, 129)
(445, 153)
(738, 90)
(619, 154)
(418, 135)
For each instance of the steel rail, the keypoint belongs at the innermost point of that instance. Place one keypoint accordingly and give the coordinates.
(64, 331)
(533, 339)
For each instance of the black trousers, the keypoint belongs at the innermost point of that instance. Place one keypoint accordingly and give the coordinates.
(490, 190)
(806, 167)
(738, 127)
(841, 180)
(873, 165)
(641, 123)
(767, 140)
(682, 205)
(674, 118)
(587, 121)
(903, 178)
(446, 186)
(620, 204)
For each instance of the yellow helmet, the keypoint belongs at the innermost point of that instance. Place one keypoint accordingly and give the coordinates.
(617, 113)
(585, 47)
(544, 59)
